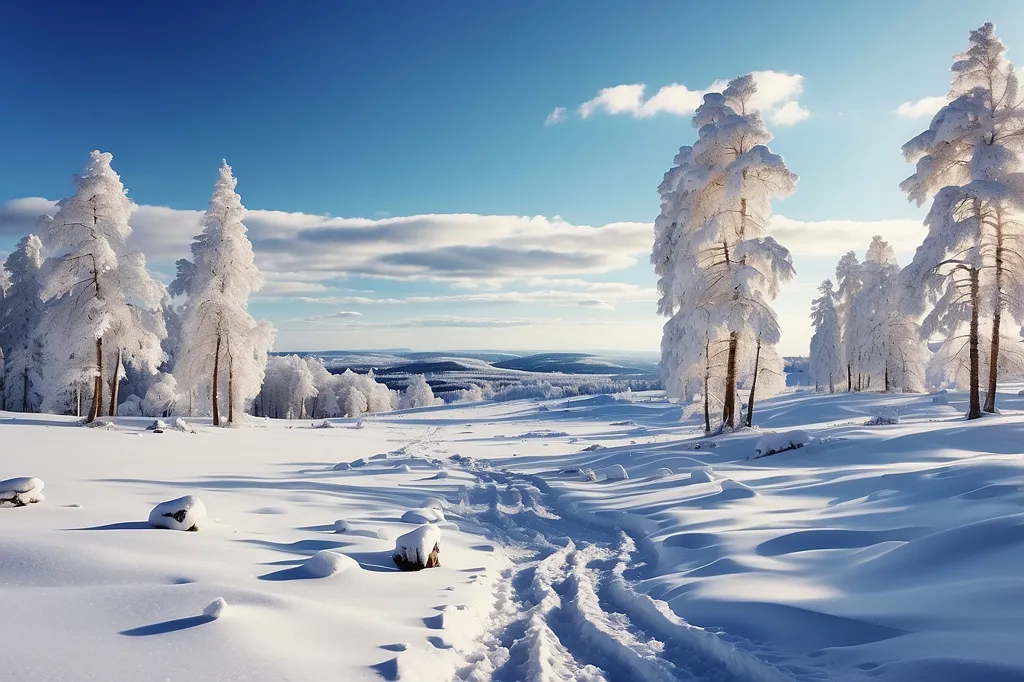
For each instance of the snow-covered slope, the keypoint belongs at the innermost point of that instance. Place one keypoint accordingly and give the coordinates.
(872, 553)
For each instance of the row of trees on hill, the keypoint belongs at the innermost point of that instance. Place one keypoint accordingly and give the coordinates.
(966, 281)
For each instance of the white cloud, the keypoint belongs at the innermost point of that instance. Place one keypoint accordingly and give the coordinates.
(789, 114)
(922, 108)
(555, 117)
(836, 237)
(342, 315)
(777, 97)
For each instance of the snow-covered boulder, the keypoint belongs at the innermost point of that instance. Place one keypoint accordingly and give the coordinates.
(615, 472)
(588, 475)
(341, 526)
(663, 472)
(215, 609)
(182, 425)
(424, 515)
(772, 443)
(326, 563)
(342, 466)
(183, 513)
(19, 492)
(419, 548)
(403, 469)
(158, 426)
(356, 463)
(701, 476)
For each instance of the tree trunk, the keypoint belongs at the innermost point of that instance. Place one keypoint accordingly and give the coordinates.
(97, 392)
(753, 385)
(849, 378)
(24, 390)
(707, 386)
(231, 388)
(729, 413)
(78, 401)
(831, 384)
(115, 385)
(216, 378)
(974, 411)
(997, 313)
(887, 376)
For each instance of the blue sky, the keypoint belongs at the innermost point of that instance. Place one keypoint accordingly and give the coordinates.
(388, 110)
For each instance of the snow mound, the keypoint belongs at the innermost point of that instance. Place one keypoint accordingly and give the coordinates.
(183, 513)
(358, 463)
(616, 472)
(441, 475)
(432, 503)
(701, 476)
(215, 609)
(403, 468)
(182, 425)
(380, 455)
(424, 515)
(543, 433)
(324, 425)
(326, 563)
(22, 491)
(419, 548)
(341, 526)
(588, 475)
(101, 425)
(341, 466)
(594, 448)
(772, 443)
(729, 484)
(663, 472)
(383, 534)
(158, 426)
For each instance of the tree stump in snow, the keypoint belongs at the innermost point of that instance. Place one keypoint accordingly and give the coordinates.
(419, 548)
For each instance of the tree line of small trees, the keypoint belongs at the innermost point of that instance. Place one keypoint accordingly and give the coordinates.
(81, 318)
(965, 284)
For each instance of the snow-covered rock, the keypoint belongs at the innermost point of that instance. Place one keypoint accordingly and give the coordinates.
(326, 563)
(341, 526)
(701, 476)
(615, 472)
(885, 418)
(325, 424)
(663, 472)
(182, 425)
(403, 469)
(356, 463)
(215, 609)
(183, 513)
(19, 492)
(432, 503)
(588, 475)
(424, 515)
(419, 548)
(159, 426)
(772, 443)
(441, 475)
(342, 466)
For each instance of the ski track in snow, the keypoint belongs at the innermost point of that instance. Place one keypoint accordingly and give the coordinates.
(565, 611)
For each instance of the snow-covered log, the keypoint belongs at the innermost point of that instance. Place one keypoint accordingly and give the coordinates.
(419, 548)
(772, 443)
(183, 513)
(19, 492)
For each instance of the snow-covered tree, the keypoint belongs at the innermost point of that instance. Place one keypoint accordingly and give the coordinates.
(161, 397)
(105, 305)
(287, 385)
(418, 394)
(826, 342)
(718, 269)
(969, 163)
(220, 341)
(324, 402)
(21, 311)
(892, 350)
(849, 276)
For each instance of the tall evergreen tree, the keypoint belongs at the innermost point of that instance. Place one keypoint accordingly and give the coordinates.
(220, 341)
(826, 343)
(21, 311)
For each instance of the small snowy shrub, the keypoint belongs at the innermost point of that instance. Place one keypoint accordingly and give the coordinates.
(183, 513)
(20, 492)
(772, 443)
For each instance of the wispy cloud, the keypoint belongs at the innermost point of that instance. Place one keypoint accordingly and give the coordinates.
(922, 108)
(777, 97)
(836, 237)
(342, 315)
(557, 115)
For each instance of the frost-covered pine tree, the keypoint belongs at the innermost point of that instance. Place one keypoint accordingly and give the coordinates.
(105, 306)
(826, 342)
(712, 252)
(21, 311)
(417, 394)
(892, 350)
(849, 276)
(220, 341)
(969, 163)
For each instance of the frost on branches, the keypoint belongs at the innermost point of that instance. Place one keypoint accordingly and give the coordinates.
(826, 343)
(104, 311)
(970, 269)
(718, 269)
(220, 341)
(21, 310)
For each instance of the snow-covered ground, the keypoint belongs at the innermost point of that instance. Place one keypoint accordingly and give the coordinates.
(888, 552)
